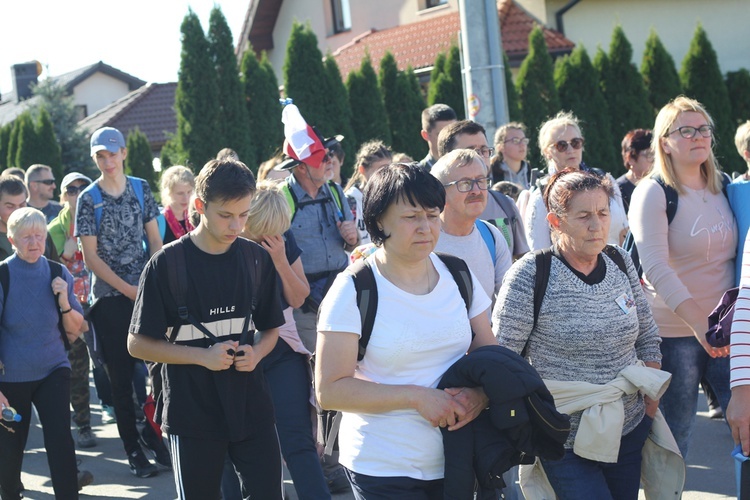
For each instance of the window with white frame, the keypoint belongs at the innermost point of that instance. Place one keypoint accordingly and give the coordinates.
(342, 19)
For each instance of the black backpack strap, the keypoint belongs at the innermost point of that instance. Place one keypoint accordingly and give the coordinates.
(462, 276)
(616, 256)
(55, 271)
(4, 282)
(671, 195)
(543, 267)
(252, 264)
(367, 301)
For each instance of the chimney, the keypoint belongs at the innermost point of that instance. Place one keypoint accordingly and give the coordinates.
(24, 75)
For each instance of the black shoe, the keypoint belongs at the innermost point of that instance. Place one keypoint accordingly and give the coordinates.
(155, 447)
(85, 478)
(140, 466)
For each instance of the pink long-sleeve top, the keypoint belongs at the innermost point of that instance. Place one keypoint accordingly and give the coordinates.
(740, 350)
(693, 257)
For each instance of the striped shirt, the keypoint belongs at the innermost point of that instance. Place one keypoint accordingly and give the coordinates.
(740, 350)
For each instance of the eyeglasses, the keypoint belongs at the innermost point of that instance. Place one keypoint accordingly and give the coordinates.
(329, 156)
(484, 151)
(517, 140)
(575, 143)
(466, 185)
(47, 182)
(74, 190)
(689, 132)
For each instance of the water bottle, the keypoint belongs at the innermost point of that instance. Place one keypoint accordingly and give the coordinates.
(9, 414)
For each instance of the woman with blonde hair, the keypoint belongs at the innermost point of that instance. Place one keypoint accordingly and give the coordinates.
(177, 185)
(561, 144)
(287, 368)
(688, 261)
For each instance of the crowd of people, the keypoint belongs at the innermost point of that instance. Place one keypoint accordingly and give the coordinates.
(310, 318)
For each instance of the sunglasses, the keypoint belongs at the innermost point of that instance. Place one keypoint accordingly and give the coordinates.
(562, 146)
(74, 190)
(46, 182)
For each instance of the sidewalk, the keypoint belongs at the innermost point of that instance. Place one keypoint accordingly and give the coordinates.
(710, 474)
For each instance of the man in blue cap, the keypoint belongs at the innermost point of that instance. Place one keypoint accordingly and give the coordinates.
(115, 215)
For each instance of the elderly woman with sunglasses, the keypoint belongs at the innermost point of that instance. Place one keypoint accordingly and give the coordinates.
(688, 262)
(561, 143)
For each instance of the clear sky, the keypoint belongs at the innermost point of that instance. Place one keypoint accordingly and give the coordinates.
(139, 37)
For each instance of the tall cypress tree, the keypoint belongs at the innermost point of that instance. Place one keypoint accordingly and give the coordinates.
(263, 108)
(393, 100)
(624, 91)
(407, 87)
(10, 157)
(305, 78)
(140, 159)
(659, 73)
(232, 112)
(341, 114)
(514, 110)
(27, 141)
(536, 90)
(447, 87)
(577, 86)
(369, 118)
(196, 99)
(4, 142)
(702, 80)
(738, 87)
(47, 149)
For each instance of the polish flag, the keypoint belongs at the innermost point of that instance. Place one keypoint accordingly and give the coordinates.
(301, 143)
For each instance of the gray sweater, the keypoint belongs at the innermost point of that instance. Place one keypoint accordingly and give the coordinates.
(582, 334)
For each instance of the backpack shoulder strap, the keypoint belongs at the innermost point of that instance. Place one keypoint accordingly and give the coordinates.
(291, 198)
(543, 267)
(96, 196)
(55, 271)
(725, 182)
(670, 194)
(506, 204)
(461, 274)
(616, 256)
(252, 261)
(174, 256)
(487, 236)
(4, 282)
(367, 301)
(162, 223)
(336, 194)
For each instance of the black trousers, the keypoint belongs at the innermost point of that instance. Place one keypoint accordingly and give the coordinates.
(198, 465)
(111, 318)
(51, 397)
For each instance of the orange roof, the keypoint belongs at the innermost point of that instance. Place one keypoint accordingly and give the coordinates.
(417, 44)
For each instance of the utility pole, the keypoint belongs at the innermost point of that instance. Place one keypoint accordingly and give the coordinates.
(483, 67)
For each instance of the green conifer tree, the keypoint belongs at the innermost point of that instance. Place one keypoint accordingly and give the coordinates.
(10, 158)
(232, 112)
(738, 87)
(624, 91)
(578, 88)
(196, 99)
(702, 80)
(369, 118)
(263, 108)
(47, 150)
(140, 159)
(407, 86)
(28, 141)
(341, 114)
(536, 90)
(305, 78)
(659, 73)
(447, 88)
(4, 142)
(514, 111)
(437, 69)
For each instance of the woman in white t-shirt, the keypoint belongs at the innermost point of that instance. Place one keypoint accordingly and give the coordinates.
(389, 439)
(371, 157)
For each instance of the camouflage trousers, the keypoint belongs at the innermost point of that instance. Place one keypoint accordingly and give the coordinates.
(79, 383)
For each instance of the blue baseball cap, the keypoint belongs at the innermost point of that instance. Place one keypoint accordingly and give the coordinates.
(107, 138)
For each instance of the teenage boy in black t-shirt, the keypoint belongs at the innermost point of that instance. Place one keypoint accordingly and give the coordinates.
(215, 401)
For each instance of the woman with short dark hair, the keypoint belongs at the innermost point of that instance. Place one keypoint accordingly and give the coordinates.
(638, 158)
(390, 441)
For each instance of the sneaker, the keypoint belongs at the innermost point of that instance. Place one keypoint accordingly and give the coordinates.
(108, 415)
(337, 481)
(716, 412)
(85, 478)
(140, 466)
(86, 438)
(155, 447)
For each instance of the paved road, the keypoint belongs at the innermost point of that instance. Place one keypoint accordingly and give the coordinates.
(710, 468)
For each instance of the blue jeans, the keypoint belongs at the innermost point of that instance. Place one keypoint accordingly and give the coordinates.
(367, 487)
(288, 376)
(688, 362)
(574, 477)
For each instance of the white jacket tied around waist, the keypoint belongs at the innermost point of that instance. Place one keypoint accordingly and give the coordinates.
(600, 432)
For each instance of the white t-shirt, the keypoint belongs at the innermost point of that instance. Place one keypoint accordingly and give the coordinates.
(415, 339)
(355, 197)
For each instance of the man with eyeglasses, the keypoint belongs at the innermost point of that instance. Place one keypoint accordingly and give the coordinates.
(501, 211)
(466, 179)
(41, 184)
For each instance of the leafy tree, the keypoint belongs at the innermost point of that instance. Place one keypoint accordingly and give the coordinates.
(448, 87)
(232, 113)
(624, 91)
(738, 86)
(577, 85)
(514, 111)
(73, 141)
(27, 141)
(341, 114)
(196, 100)
(262, 104)
(305, 78)
(702, 80)
(47, 151)
(536, 90)
(140, 159)
(4, 142)
(659, 73)
(369, 118)
(407, 86)
(169, 153)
